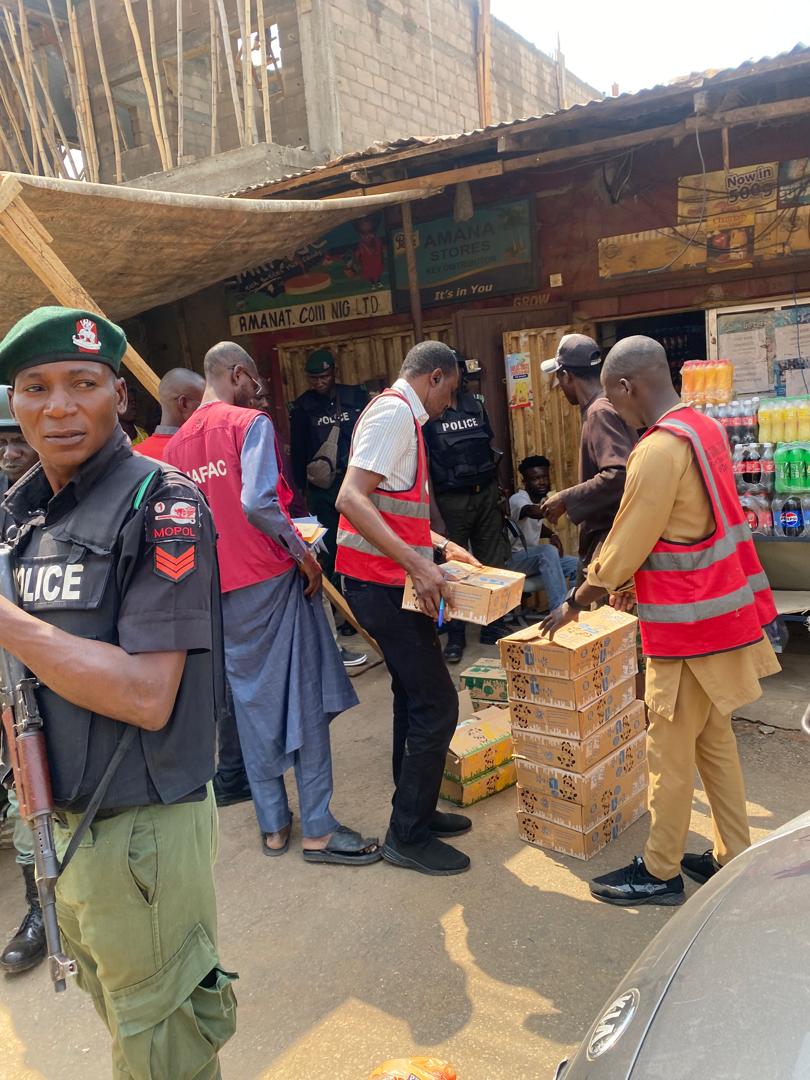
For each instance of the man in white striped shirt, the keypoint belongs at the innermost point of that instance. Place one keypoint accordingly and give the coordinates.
(384, 534)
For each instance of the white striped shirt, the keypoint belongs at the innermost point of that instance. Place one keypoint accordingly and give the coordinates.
(384, 439)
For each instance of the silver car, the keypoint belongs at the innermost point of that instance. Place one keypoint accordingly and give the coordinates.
(723, 991)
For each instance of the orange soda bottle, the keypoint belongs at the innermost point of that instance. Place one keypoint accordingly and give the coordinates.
(687, 382)
(699, 382)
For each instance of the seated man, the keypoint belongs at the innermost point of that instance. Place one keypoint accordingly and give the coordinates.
(531, 555)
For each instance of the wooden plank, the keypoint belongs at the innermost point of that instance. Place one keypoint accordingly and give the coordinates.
(213, 49)
(71, 83)
(24, 233)
(226, 41)
(413, 276)
(342, 605)
(180, 80)
(164, 130)
(16, 75)
(484, 63)
(147, 85)
(433, 183)
(64, 158)
(15, 127)
(91, 162)
(28, 77)
(247, 75)
(102, 67)
(262, 28)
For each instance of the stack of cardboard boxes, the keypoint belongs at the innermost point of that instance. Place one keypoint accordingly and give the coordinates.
(486, 682)
(479, 762)
(579, 734)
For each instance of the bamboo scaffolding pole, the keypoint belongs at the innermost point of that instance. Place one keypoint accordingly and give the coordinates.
(147, 85)
(65, 157)
(102, 67)
(28, 72)
(264, 82)
(91, 156)
(226, 40)
(150, 13)
(71, 84)
(20, 87)
(247, 73)
(15, 127)
(180, 80)
(10, 150)
(214, 52)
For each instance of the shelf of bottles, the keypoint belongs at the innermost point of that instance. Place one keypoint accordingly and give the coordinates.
(770, 447)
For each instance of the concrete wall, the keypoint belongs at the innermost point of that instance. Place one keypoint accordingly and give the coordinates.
(407, 67)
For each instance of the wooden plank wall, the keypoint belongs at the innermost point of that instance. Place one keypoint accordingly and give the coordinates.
(374, 359)
(551, 426)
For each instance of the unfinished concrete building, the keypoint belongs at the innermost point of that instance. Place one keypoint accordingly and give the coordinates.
(212, 95)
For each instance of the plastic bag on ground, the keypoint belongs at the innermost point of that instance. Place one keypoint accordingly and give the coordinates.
(419, 1068)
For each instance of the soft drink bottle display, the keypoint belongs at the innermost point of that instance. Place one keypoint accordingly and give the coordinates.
(791, 515)
(796, 468)
(711, 381)
(791, 414)
(768, 468)
(804, 419)
(726, 381)
(688, 382)
(734, 423)
(778, 422)
(765, 434)
(752, 470)
(699, 383)
(757, 509)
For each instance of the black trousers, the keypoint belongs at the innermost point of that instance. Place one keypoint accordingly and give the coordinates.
(231, 772)
(425, 702)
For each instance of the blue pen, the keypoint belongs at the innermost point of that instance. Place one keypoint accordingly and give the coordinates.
(441, 613)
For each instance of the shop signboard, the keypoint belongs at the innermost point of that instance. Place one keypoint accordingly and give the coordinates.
(342, 276)
(490, 254)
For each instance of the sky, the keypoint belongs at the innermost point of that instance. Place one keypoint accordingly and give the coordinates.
(634, 44)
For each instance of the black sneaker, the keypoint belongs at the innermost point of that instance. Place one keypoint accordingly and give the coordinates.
(492, 634)
(346, 630)
(449, 824)
(435, 857)
(633, 885)
(700, 867)
(453, 652)
(351, 659)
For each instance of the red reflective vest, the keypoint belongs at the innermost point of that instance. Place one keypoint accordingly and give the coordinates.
(711, 596)
(406, 512)
(208, 448)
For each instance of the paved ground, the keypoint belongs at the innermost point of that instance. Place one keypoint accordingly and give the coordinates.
(499, 970)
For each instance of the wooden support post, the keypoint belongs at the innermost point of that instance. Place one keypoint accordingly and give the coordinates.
(413, 276)
(28, 74)
(71, 85)
(180, 80)
(147, 85)
(26, 236)
(64, 157)
(340, 603)
(262, 28)
(15, 127)
(102, 67)
(91, 149)
(726, 155)
(226, 41)
(150, 12)
(483, 62)
(214, 52)
(15, 70)
(247, 72)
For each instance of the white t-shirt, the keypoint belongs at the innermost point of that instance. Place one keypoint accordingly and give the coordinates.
(384, 439)
(529, 526)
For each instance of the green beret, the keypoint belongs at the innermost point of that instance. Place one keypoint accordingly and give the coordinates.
(50, 334)
(7, 421)
(319, 361)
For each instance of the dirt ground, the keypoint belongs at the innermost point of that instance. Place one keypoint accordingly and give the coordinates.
(499, 970)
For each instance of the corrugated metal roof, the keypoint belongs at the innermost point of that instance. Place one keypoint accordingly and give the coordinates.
(694, 81)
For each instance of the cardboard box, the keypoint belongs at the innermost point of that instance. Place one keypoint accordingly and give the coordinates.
(579, 647)
(577, 844)
(479, 744)
(486, 681)
(589, 787)
(582, 818)
(572, 693)
(479, 704)
(476, 595)
(571, 723)
(481, 788)
(578, 755)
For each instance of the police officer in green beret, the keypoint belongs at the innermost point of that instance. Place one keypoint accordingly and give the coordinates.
(118, 621)
(26, 948)
(322, 420)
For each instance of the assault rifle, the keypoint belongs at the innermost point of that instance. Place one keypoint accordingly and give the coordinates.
(24, 751)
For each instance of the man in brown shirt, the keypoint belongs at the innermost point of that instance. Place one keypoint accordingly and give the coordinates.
(605, 445)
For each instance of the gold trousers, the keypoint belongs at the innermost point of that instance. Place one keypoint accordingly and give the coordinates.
(698, 735)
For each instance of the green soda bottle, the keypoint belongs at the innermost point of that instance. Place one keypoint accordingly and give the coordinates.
(780, 459)
(795, 467)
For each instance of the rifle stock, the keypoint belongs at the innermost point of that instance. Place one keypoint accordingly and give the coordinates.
(26, 753)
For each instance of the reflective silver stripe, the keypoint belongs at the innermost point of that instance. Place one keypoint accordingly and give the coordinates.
(708, 475)
(698, 611)
(758, 582)
(358, 543)
(699, 560)
(400, 507)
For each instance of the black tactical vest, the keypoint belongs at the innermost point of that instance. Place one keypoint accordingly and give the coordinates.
(459, 446)
(67, 576)
(322, 413)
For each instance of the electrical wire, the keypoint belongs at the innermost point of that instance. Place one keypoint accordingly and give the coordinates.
(703, 206)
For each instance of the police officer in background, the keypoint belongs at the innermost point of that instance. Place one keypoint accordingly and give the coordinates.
(315, 446)
(118, 586)
(27, 947)
(464, 480)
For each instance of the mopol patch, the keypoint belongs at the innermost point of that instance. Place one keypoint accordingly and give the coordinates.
(171, 519)
(175, 567)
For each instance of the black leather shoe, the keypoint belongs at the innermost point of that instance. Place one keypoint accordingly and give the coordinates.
(231, 794)
(449, 824)
(700, 867)
(633, 885)
(453, 652)
(27, 948)
(492, 634)
(435, 857)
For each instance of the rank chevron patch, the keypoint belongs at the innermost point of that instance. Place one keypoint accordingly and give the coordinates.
(175, 567)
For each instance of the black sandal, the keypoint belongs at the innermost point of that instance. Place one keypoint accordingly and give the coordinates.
(275, 852)
(346, 847)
